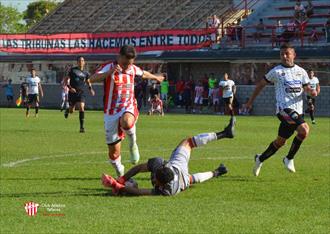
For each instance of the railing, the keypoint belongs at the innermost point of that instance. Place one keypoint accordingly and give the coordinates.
(272, 36)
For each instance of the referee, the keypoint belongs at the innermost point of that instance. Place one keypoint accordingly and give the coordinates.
(76, 79)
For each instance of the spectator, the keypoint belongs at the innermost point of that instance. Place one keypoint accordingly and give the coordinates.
(153, 91)
(198, 102)
(243, 110)
(239, 30)
(9, 93)
(309, 9)
(327, 29)
(138, 92)
(23, 92)
(187, 95)
(156, 105)
(211, 84)
(314, 36)
(164, 86)
(215, 24)
(216, 98)
(290, 31)
(278, 32)
(178, 92)
(260, 28)
(299, 11)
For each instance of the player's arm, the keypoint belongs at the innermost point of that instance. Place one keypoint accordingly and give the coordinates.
(67, 83)
(234, 90)
(100, 76)
(90, 88)
(41, 90)
(259, 87)
(318, 89)
(137, 191)
(147, 75)
(310, 91)
(133, 171)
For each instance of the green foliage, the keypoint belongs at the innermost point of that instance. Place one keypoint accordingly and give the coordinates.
(11, 20)
(37, 10)
(58, 165)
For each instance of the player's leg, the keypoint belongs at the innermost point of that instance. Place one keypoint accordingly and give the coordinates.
(71, 105)
(36, 100)
(230, 106)
(311, 108)
(204, 176)
(28, 106)
(115, 157)
(81, 106)
(127, 123)
(302, 133)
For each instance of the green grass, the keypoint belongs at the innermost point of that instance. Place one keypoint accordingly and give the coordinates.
(54, 164)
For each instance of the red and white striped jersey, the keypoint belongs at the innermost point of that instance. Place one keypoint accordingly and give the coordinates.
(119, 88)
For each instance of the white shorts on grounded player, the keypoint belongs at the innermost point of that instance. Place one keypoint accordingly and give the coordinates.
(113, 131)
(180, 160)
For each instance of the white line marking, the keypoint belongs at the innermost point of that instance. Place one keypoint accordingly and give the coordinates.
(36, 158)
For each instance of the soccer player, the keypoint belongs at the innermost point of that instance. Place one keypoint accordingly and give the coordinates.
(171, 177)
(315, 85)
(64, 95)
(120, 108)
(290, 81)
(199, 90)
(75, 81)
(228, 91)
(33, 89)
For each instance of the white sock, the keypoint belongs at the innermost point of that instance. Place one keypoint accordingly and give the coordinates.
(203, 176)
(204, 138)
(117, 165)
(131, 135)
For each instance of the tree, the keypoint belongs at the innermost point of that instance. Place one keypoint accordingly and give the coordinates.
(11, 20)
(37, 10)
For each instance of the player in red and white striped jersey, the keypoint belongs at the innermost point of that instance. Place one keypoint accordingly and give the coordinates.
(120, 107)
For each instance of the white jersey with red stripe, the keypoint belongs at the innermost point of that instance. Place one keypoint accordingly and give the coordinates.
(119, 88)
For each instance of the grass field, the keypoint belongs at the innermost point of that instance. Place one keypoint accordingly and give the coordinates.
(47, 161)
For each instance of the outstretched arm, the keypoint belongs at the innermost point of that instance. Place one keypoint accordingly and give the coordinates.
(100, 75)
(310, 91)
(136, 191)
(147, 75)
(133, 171)
(260, 85)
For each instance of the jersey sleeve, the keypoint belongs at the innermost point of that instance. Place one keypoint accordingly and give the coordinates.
(317, 80)
(270, 77)
(138, 71)
(104, 68)
(221, 84)
(154, 163)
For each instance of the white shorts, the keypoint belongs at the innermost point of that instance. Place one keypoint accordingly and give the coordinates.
(113, 130)
(210, 92)
(180, 160)
(199, 100)
(215, 101)
(64, 95)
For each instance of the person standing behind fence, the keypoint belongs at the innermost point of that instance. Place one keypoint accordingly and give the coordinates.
(9, 93)
(164, 86)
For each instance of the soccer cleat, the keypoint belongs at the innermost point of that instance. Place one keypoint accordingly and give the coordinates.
(134, 153)
(289, 164)
(257, 166)
(82, 130)
(313, 122)
(230, 129)
(109, 181)
(221, 170)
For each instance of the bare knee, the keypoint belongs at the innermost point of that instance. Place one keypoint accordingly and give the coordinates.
(303, 131)
(279, 142)
(114, 153)
(127, 121)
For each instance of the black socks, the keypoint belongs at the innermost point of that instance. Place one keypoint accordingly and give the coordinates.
(268, 153)
(81, 119)
(294, 148)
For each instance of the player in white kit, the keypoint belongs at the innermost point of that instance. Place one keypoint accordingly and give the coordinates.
(290, 81)
(33, 89)
(315, 84)
(228, 92)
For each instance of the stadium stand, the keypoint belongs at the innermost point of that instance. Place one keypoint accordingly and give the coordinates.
(138, 15)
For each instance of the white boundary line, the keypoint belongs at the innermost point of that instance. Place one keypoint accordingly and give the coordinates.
(37, 158)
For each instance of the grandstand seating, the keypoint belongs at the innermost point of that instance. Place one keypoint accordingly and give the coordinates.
(129, 15)
(271, 11)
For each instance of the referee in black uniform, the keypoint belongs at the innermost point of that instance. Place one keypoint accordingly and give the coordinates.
(76, 80)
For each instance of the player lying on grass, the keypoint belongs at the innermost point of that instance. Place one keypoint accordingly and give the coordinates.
(172, 177)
